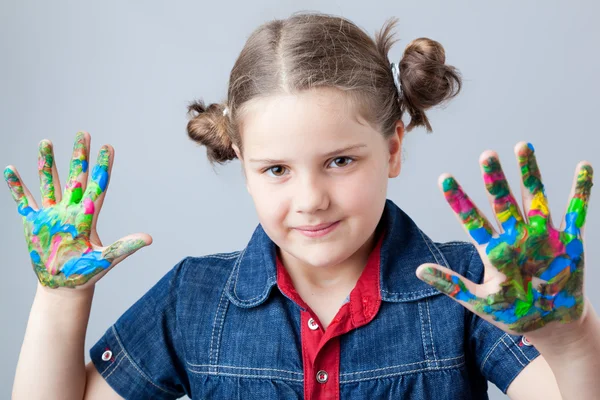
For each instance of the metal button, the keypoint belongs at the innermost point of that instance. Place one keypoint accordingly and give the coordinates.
(322, 376)
(525, 341)
(107, 355)
(312, 324)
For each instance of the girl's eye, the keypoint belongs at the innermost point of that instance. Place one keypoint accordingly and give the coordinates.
(343, 158)
(279, 170)
(272, 169)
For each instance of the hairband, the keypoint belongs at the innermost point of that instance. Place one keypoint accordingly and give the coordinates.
(395, 74)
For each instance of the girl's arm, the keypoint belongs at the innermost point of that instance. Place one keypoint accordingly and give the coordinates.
(51, 363)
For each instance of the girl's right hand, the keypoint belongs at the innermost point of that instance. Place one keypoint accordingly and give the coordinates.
(63, 244)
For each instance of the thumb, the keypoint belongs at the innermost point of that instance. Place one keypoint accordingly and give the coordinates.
(450, 283)
(126, 246)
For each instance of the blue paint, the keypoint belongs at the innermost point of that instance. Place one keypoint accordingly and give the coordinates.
(84, 165)
(507, 316)
(510, 232)
(571, 226)
(462, 295)
(24, 211)
(85, 264)
(100, 176)
(35, 257)
(530, 146)
(555, 267)
(562, 299)
(481, 235)
(574, 249)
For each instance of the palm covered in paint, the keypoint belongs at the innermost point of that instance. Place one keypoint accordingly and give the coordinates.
(533, 272)
(63, 244)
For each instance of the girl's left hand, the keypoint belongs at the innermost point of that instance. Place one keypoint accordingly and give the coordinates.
(533, 272)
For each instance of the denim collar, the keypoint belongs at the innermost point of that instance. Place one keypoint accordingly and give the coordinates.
(404, 248)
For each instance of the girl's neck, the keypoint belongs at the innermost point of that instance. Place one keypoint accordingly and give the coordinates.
(331, 279)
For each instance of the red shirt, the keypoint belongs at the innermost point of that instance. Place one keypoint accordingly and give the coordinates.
(321, 349)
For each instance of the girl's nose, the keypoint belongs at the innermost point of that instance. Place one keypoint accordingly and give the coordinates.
(311, 195)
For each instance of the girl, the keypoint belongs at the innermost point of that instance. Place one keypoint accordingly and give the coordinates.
(338, 293)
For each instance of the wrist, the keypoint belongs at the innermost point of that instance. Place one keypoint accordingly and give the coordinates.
(576, 338)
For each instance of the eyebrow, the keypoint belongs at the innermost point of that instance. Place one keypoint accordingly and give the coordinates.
(331, 153)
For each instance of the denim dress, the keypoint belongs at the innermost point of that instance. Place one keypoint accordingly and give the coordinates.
(220, 327)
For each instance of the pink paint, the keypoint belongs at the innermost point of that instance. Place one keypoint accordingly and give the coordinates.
(88, 206)
(55, 243)
(492, 177)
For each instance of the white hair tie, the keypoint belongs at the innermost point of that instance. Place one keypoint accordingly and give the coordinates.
(396, 75)
(225, 111)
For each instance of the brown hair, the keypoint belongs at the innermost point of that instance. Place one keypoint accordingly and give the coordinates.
(309, 50)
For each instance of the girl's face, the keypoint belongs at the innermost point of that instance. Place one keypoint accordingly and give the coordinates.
(309, 160)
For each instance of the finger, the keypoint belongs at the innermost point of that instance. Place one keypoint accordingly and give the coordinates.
(48, 174)
(22, 196)
(96, 189)
(574, 220)
(535, 203)
(126, 246)
(94, 265)
(484, 300)
(501, 198)
(452, 284)
(78, 169)
(473, 221)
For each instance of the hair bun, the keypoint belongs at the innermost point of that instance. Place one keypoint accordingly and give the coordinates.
(209, 127)
(426, 79)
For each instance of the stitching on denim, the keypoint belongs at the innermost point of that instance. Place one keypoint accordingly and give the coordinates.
(427, 243)
(423, 341)
(270, 281)
(431, 332)
(403, 373)
(244, 376)
(137, 368)
(221, 330)
(452, 243)
(513, 353)
(396, 366)
(422, 291)
(111, 364)
(491, 350)
(115, 368)
(470, 261)
(237, 265)
(212, 335)
(519, 348)
(222, 256)
(248, 368)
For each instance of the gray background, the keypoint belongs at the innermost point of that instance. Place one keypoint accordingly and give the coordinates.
(125, 71)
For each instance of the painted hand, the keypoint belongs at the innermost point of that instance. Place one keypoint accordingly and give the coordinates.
(63, 244)
(533, 272)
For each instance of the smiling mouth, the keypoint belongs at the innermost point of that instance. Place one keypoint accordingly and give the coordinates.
(313, 228)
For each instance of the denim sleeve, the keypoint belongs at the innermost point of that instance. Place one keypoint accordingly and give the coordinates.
(500, 356)
(139, 354)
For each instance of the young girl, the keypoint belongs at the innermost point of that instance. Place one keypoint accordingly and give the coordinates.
(325, 301)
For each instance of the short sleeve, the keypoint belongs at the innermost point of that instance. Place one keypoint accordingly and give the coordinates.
(138, 355)
(500, 356)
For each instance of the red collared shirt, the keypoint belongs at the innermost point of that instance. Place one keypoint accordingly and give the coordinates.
(321, 348)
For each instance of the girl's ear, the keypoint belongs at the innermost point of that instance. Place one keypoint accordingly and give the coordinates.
(237, 151)
(395, 148)
(239, 156)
